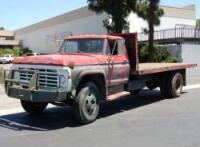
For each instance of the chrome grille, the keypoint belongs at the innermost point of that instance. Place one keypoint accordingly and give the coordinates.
(48, 78)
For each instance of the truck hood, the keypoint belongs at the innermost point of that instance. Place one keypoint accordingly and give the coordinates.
(62, 59)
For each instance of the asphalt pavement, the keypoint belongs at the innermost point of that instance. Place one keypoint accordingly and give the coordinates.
(145, 120)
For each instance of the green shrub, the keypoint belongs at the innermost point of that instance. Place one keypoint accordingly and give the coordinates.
(2, 28)
(161, 54)
(14, 52)
(1, 75)
(171, 59)
(24, 51)
(143, 54)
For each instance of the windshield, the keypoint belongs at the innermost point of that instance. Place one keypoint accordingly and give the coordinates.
(82, 46)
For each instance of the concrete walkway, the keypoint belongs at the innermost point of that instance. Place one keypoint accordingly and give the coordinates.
(6, 102)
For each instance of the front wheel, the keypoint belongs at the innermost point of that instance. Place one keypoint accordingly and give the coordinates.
(87, 103)
(33, 108)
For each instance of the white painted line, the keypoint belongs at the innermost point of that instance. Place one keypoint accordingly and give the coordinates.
(10, 111)
(190, 87)
(16, 110)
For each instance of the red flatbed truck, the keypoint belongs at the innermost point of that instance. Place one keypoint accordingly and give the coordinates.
(87, 70)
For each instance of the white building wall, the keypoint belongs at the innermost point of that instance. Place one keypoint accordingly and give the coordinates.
(44, 40)
(190, 54)
(171, 22)
(42, 37)
(137, 24)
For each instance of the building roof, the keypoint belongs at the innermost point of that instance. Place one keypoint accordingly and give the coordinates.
(66, 17)
(186, 12)
(4, 33)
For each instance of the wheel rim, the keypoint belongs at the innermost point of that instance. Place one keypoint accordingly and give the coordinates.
(178, 86)
(90, 103)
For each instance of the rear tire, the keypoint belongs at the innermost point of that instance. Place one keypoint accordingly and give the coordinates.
(33, 108)
(175, 85)
(171, 87)
(87, 103)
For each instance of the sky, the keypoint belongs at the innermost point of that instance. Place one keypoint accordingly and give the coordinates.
(15, 14)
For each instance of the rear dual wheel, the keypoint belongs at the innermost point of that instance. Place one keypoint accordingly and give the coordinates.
(172, 86)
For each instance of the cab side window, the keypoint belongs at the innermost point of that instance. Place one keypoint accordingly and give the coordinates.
(121, 47)
(112, 47)
(116, 47)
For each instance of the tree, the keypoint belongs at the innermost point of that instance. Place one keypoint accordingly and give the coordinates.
(2, 28)
(150, 11)
(198, 23)
(117, 10)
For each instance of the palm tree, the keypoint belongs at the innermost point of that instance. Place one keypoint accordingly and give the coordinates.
(150, 11)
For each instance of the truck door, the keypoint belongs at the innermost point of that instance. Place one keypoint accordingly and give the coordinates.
(118, 62)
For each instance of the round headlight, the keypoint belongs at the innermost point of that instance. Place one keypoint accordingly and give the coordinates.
(63, 81)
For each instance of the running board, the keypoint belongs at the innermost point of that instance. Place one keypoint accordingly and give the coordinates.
(117, 96)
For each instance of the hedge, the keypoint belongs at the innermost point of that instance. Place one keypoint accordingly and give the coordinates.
(161, 55)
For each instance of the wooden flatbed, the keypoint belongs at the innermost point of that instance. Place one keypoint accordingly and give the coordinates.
(151, 68)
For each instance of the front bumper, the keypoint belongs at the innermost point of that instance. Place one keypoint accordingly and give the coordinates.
(36, 95)
(33, 93)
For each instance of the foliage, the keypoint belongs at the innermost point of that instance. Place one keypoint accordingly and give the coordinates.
(161, 55)
(117, 10)
(24, 51)
(150, 11)
(2, 28)
(198, 23)
(15, 52)
(1, 75)
(171, 59)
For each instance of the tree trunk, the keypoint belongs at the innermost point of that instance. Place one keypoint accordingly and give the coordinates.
(118, 27)
(151, 43)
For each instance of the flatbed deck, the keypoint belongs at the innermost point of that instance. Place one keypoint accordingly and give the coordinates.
(151, 68)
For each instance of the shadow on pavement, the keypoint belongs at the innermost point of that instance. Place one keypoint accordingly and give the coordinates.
(58, 118)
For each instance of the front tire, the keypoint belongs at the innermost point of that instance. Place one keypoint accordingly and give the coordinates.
(87, 103)
(33, 108)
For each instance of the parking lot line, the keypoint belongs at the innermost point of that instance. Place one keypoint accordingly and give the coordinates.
(16, 110)
(190, 87)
